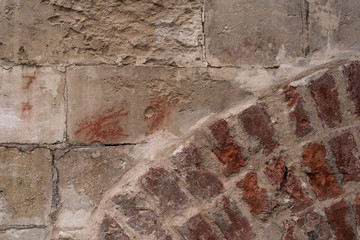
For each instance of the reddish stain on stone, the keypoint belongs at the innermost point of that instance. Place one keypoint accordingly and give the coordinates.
(157, 111)
(322, 180)
(197, 228)
(111, 230)
(257, 123)
(30, 79)
(341, 220)
(26, 106)
(201, 183)
(325, 95)
(344, 149)
(253, 195)
(227, 151)
(232, 224)
(298, 114)
(357, 209)
(103, 128)
(164, 186)
(276, 172)
(352, 76)
(300, 200)
(142, 220)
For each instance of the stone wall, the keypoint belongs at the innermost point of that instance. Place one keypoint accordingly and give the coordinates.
(181, 119)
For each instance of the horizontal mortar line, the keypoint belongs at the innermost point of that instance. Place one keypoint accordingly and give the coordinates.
(29, 226)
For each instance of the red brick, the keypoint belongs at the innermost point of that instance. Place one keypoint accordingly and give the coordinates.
(276, 172)
(253, 195)
(201, 183)
(352, 76)
(197, 228)
(111, 230)
(341, 220)
(256, 122)
(322, 180)
(142, 220)
(357, 209)
(298, 113)
(163, 185)
(344, 149)
(325, 95)
(232, 224)
(293, 188)
(227, 151)
(289, 233)
(315, 226)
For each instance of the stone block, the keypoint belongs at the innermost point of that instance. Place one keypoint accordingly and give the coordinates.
(32, 108)
(242, 33)
(25, 187)
(117, 32)
(21, 234)
(85, 174)
(125, 104)
(351, 73)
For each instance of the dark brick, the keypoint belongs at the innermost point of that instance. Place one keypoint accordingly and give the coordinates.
(253, 195)
(341, 220)
(352, 76)
(227, 151)
(197, 228)
(256, 122)
(298, 114)
(293, 188)
(276, 172)
(232, 224)
(163, 235)
(201, 183)
(357, 209)
(344, 149)
(322, 180)
(315, 226)
(111, 230)
(163, 185)
(325, 95)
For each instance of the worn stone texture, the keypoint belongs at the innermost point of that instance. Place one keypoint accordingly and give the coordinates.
(84, 175)
(147, 32)
(26, 187)
(243, 33)
(126, 104)
(28, 234)
(32, 108)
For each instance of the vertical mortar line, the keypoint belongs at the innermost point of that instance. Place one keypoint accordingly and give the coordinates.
(66, 102)
(203, 32)
(54, 195)
(306, 28)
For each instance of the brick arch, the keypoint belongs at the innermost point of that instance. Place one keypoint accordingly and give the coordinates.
(286, 167)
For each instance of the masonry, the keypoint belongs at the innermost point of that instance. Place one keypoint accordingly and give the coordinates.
(187, 119)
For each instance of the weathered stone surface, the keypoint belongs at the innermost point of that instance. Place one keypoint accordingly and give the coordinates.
(253, 195)
(300, 199)
(315, 226)
(341, 220)
(357, 209)
(28, 234)
(289, 234)
(276, 172)
(200, 182)
(25, 184)
(351, 73)
(84, 176)
(332, 25)
(32, 105)
(163, 186)
(324, 92)
(240, 33)
(123, 104)
(198, 228)
(321, 178)
(231, 222)
(346, 153)
(111, 230)
(227, 151)
(298, 113)
(121, 32)
(256, 122)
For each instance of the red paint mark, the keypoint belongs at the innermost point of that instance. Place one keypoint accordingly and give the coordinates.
(30, 80)
(104, 128)
(26, 106)
(157, 111)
